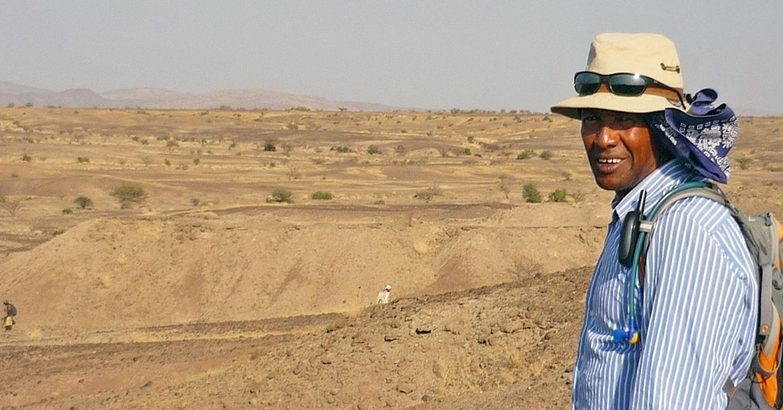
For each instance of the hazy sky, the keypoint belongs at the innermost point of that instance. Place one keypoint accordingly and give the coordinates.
(428, 54)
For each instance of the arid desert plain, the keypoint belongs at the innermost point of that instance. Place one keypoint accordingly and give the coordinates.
(231, 259)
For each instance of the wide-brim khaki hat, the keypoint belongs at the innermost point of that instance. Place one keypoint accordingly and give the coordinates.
(648, 54)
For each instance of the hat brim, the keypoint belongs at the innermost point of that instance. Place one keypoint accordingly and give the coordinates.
(607, 101)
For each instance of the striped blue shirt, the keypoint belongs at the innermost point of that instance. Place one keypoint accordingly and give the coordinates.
(696, 310)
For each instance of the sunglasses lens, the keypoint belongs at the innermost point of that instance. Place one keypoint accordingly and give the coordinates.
(627, 85)
(587, 83)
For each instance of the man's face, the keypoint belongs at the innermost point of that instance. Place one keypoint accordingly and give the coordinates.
(619, 148)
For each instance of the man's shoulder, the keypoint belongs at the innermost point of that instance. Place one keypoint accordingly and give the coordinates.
(701, 223)
(700, 212)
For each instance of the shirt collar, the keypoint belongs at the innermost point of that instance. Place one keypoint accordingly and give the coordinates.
(662, 180)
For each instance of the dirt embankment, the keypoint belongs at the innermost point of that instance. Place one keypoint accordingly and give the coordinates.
(213, 266)
(504, 346)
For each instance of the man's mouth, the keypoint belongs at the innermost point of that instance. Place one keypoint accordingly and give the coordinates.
(608, 165)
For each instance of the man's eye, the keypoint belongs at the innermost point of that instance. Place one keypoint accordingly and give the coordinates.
(626, 120)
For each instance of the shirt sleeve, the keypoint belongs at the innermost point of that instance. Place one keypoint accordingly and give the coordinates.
(697, 312)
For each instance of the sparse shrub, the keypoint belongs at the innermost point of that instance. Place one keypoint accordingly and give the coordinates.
(744, 162)
(342, 149)
(431, 192)
(466, 151)
(167, 162)
(489, 147)
(293, 173)
(270, 147)
(83, 202)
(503, 186)
(558, 195)
(322, 195)
(195, 201)
(373, 150)
(526, 154)
(58, 232)
(67, 211)
(545, 155)
(399, 149)
(172, 143)
(530, 193)
(82, 160)
(128, 193)
(471, 139)
(196, 161)
(292, 126)
(380, 202)
(11, 206)
(280, 195)
(26, 157)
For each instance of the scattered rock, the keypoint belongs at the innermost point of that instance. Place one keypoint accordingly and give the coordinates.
(405, 388)
(390, 338)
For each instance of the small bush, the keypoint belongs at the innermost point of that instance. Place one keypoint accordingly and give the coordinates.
(530, 193)
(342, 149)
(128, 193)
(83, 202)
(323, 195)
(400, 149)
(526, 154)
(292, 126)
(558, 195)
(82, 160)
(67, 211)
(431, 192)
(196, 161)
(744, 162)
(545, 155)
(373, 150)
(270, 147)
(280, 195)
(26, 157)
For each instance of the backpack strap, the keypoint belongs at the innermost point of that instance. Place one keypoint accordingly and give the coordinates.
(701, 189)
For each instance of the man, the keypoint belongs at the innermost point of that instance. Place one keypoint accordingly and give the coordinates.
(673, 336)
(383, 296)
(10, 315)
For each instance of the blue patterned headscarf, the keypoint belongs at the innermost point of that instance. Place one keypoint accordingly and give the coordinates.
(702, 137)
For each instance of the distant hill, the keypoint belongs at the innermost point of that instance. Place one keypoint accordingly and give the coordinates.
(250, 98)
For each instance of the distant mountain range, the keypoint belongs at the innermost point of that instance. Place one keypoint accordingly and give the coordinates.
(250, 98)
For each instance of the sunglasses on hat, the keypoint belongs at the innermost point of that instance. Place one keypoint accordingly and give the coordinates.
(624, 85)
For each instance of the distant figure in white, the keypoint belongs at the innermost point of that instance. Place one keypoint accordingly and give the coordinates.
(383, 296)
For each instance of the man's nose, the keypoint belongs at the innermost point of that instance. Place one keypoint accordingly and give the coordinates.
(607, 136)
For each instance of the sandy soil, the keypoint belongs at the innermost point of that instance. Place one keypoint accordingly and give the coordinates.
(206, 294)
